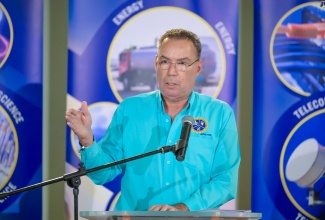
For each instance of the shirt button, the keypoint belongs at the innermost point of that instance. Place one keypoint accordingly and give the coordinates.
(168, 162)
(170, 141)
(167, 120)
(167, 183)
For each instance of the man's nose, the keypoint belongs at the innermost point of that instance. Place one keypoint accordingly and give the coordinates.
(172, 70)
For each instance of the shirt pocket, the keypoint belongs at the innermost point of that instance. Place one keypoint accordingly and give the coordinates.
(200, 153)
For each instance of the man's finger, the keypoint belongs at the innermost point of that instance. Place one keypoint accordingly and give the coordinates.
(84, 107)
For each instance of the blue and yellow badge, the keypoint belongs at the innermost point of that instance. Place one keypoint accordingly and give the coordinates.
(200, 125)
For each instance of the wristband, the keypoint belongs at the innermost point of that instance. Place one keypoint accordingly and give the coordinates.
(83, 147)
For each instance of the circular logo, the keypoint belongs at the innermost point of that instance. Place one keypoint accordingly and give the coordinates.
(302, 165)
(131, 61)
(294, 160)
(8, 148)
(101, 113)
(6, 35)
(297, 49)
(200, 125)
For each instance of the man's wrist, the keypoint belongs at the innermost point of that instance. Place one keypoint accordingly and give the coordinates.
(85, 144)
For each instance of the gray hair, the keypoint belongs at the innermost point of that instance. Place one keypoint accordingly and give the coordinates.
(182, 34)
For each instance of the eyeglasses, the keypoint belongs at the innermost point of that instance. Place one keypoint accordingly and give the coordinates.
(180, 65)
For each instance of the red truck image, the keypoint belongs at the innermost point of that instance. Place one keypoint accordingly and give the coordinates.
(137, 66)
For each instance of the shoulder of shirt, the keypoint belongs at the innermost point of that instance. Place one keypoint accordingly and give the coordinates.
(205, 99)
(143, 97)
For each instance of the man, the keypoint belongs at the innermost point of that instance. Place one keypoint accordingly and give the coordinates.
(208, 176)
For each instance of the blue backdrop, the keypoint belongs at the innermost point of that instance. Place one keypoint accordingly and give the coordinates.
(21, 106)
(289, 68)
(112, 47)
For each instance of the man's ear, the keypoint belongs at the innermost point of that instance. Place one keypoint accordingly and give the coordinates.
(156, 62)
(199, 67)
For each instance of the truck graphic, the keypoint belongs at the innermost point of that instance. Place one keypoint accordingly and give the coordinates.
(137, 67)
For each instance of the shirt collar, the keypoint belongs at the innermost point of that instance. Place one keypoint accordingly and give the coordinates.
(161, 102)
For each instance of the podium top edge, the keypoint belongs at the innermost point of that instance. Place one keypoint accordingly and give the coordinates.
(203, 213)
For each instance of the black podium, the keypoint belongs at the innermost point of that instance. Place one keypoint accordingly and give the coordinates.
(171, 215)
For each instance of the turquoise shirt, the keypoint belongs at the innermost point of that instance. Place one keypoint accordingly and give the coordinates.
(208, 176)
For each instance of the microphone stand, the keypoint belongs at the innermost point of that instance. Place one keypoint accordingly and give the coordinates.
(73, 179)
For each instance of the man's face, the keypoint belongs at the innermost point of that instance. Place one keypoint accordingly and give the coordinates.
(177, 85)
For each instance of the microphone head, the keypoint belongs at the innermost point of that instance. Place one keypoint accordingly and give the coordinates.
(188, 119)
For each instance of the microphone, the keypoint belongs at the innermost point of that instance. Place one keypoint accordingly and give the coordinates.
(181, 145)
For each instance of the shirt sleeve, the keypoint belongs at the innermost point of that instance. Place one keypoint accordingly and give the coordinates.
(222, 186)
(107, 150)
